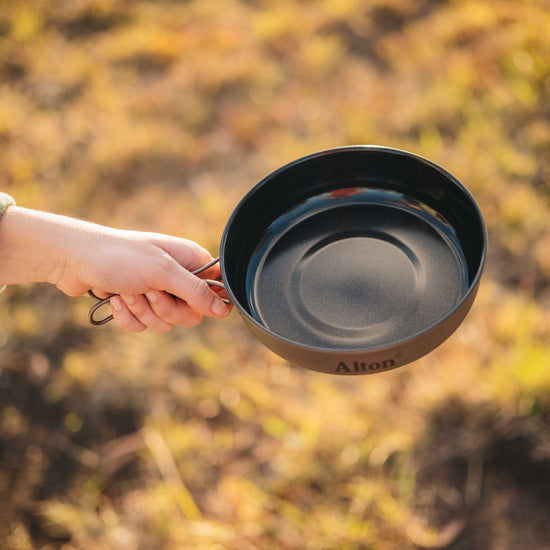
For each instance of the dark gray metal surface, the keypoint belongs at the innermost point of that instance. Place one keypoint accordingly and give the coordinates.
(355, 271)
(354, 260)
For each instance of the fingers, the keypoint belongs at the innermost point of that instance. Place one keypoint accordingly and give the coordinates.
(196, 292)
(123, 317)
(134, 313)
(155, 310)
(172, 310)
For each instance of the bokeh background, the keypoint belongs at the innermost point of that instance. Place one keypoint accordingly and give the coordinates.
(160, 115)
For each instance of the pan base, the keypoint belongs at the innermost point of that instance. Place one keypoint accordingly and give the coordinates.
(356, 270)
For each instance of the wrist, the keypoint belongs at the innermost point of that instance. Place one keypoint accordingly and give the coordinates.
(32, 246)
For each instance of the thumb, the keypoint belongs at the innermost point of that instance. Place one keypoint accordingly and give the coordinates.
(196, 292)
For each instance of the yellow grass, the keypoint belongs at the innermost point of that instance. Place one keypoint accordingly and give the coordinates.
(160, 116)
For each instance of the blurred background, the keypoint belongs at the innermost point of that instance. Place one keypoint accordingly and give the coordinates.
(160, 115)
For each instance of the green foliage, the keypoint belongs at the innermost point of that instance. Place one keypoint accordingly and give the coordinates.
(160, 116)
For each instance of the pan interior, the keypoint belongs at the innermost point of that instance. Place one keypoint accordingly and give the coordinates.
(355, 268)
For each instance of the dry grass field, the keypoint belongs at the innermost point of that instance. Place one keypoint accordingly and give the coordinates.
(160, 115)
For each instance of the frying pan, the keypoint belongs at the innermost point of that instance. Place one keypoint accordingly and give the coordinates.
(354, 260)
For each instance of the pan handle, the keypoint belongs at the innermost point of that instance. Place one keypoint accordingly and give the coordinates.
(212, 282)
(101, 302)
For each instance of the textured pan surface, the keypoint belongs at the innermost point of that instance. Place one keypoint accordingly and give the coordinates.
(355, 268)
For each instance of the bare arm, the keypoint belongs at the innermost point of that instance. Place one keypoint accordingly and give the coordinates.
(148, 270)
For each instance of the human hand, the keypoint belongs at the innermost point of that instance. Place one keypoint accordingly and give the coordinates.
(150, 273)
(184, 297)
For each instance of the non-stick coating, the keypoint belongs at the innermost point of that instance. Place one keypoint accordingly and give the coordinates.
(353, 253)
(355, 268)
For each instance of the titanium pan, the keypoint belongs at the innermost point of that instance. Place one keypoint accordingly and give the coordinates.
(354, 260)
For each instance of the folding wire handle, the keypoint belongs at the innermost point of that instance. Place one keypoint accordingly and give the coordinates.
(101, 302)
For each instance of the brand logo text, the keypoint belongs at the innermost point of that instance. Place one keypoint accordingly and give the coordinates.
(357, 366)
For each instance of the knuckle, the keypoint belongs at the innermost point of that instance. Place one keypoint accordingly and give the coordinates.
(165, 309)
(191, 319)
(192, 323)
(182, 314)
(126, 321)
(162, 329)
(200, 289)
(137, 306)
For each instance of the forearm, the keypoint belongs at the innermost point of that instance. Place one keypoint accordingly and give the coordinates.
(34, 246)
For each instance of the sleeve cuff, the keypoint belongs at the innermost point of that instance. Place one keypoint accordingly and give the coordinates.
(5, 202)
